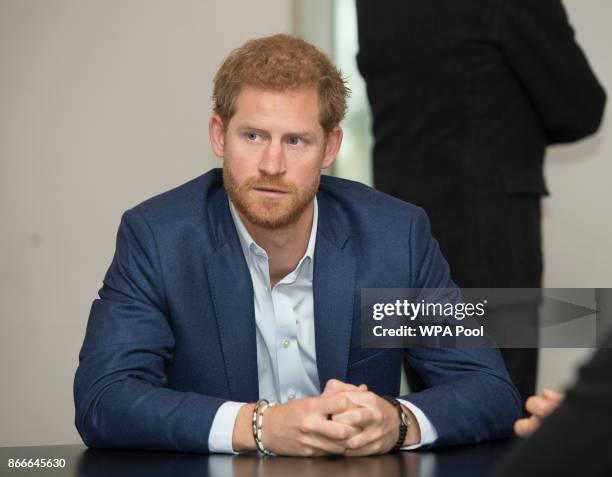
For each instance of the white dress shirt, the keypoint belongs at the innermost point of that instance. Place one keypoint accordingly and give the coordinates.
(286, 353)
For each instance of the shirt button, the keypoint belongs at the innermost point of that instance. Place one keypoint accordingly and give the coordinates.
(286, 343)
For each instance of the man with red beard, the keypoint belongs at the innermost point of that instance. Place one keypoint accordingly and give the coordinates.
(229, 318)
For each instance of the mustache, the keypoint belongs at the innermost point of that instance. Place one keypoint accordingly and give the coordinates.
(273, 183)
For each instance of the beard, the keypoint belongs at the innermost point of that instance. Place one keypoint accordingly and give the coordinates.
(266, 212)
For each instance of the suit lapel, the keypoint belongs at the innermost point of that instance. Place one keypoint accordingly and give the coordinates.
(334, 292)
(232, 294)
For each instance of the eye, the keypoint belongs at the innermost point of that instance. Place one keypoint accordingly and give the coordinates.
(252, 136)
(295, 140)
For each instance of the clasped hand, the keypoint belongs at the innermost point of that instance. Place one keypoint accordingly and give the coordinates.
(345, 419)
(540, 407)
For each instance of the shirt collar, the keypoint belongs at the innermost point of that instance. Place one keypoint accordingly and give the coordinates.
(250, 247)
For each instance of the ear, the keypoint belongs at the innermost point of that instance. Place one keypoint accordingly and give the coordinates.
(332, 146)
(216, 131)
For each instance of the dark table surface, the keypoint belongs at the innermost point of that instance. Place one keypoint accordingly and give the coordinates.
(474, 460)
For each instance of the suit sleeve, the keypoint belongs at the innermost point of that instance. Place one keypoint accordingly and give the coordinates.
(119, 390)
(471, 397)
(538, 43)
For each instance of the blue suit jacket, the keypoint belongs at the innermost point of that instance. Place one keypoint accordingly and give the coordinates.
(172, 335)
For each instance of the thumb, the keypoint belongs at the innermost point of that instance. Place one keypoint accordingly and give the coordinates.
(334, 386)
(333, 404)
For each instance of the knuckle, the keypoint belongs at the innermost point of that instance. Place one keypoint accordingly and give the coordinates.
(354, 418)
(312, 452)
(343, 401)
(540, 409)
(305, 425)
(354, 444)
(519, 425)
(303, 441)
(308, 405)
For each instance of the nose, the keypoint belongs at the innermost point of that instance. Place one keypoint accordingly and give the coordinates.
(273, 160)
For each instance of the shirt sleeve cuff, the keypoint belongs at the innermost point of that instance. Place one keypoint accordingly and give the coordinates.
(428, 431)
(222, 429)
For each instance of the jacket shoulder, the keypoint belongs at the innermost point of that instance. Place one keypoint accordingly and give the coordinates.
(363, 199)
(182, 201)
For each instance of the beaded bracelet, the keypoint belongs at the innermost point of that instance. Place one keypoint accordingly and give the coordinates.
(257, 424)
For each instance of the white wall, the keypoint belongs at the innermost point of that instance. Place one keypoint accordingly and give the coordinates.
(103, 103)
(577, 223)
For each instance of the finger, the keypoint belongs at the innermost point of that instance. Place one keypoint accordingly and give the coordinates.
(370, 449)
(540, 406)
(336, 386)
(554, 396)
(359, 417)
(363, 387)
(330, 386)
(362, 443)
(527, 426)
(365, 399)
(332, 430)
(321, 445)
(520, 427)
(328, 405)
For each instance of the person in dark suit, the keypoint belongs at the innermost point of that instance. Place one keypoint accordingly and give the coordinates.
(465, 97)
(576, 438)
(244, 284)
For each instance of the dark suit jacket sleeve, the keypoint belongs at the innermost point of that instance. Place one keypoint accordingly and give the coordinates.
(539, 44)
(471, 398)
(576, 439)
(119, 391)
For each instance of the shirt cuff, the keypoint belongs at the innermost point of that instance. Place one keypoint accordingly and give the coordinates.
(222, 429)
(428, 431)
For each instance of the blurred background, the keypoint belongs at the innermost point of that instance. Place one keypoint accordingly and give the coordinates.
(104, 103)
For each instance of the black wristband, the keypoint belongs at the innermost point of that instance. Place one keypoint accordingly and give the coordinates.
(403, 427)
